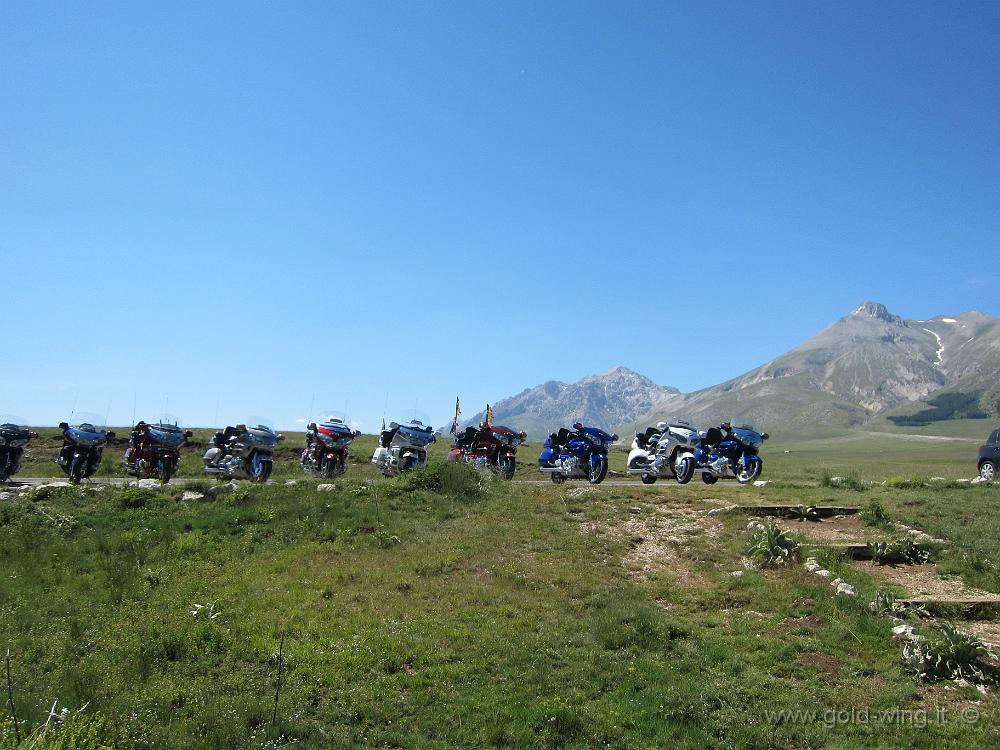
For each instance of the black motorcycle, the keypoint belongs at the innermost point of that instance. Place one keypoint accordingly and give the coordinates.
(14, 437)
(83, 446)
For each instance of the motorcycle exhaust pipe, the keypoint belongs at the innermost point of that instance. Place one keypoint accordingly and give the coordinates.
(550, 469)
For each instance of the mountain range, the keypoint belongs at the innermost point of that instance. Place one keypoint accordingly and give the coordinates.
(867, 364)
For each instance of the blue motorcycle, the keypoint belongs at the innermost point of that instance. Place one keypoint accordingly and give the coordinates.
(729, 451)
(573, 455)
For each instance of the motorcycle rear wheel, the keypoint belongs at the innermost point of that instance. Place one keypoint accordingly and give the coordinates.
(557, 478)
(709, 478)
(648, 478)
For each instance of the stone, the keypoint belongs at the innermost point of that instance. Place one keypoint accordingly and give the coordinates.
(978, 480)
(6, 496)
(761, 483)
(634, 510)
(149, 484)
(812, 567)
(53, 485)
(963, 481)
(823, 573)
(836, 582)
(836, 480)
(902, 633)
(737, 574)
(187, 496)
(290, 482)
(938, 479)
(222, 489)
(719, 511)
(325, 487)
(846, 589)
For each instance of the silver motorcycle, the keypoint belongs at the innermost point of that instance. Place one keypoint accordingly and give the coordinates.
(403, 447)
(245, 451)
(665, 452)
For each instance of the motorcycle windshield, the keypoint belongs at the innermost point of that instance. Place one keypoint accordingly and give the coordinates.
(596, 436)
(260, 431)
(682, 423)
(88, 422)
(167, 431)
(415, 433)
(334, 428)
(12, 421)
(748, 436)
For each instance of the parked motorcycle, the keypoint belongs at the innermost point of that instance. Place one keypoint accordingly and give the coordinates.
(664, 451)
(327, 443)
(154, 449)
(403, 447)
(14, 437)
(83, 446)
(577, 454)
(728, 451)
(243, 452)
(489, 448)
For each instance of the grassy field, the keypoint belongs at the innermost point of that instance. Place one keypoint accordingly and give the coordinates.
(442, 609)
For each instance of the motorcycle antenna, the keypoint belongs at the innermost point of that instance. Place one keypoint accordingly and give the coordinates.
(107, 414)
(75, 398)
(134, 399)
(312, 403)
(215, 419)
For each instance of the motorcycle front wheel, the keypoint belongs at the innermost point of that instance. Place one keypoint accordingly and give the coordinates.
(506, 466)
(77, 469)
(684, 470)
(746, 473)
(259, 470)
(166, 470)
(597, 471)
(709, 478)
(648, 478)
(557, 478)
(330, 469)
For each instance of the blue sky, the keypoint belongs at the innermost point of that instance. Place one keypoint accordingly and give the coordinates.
(251, 208)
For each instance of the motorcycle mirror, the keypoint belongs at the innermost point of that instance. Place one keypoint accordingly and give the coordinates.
(357, 433)
(109, 435)
(765, 436)
(33, 434)
(188, 433)
(280, 437)
(63, 426)
(311, 426)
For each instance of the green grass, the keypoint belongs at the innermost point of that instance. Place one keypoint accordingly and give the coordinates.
(441, 609)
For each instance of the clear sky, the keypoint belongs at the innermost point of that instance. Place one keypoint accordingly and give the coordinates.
(251, 208)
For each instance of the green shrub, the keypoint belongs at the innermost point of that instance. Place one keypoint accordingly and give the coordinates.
(899, 551)
(950, 655)
(456, 480)
(850, 482)
(906, 483)
(875, 514)
(135, 497)
(771, 545)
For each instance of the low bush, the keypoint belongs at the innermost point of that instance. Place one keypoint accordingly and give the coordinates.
(950, 654)
(875, 514)
(771, 545)
(899, 551)
(456, 480)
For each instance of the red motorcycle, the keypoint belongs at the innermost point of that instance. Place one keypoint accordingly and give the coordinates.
(490, 448)
(154, 449)
(326, 447)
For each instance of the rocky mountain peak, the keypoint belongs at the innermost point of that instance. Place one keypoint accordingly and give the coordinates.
(876, 310)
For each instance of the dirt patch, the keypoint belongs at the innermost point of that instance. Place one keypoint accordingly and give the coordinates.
(987, 632)
(796, 624)
(825, 663)
(925, 581)
(657, 537)
(839, 530)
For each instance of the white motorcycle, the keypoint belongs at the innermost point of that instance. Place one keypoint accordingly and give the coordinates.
(665, 452)
(245, 451)
(403, 447)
